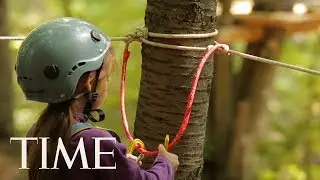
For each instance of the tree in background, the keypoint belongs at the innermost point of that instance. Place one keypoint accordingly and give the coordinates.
(6, 99)
(239, 101)
(166, 81)
(6, 68)
(220, 115)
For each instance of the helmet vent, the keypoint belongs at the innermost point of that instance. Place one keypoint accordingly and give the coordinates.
(24, 77)
(74, 67)
(81, 63)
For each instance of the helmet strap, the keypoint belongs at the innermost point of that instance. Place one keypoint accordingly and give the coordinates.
(92, 97)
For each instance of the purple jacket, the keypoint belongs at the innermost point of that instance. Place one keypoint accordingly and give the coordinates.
(126, 169)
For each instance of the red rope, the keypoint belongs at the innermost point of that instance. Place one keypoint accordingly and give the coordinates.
(126, 55)
(185, 122)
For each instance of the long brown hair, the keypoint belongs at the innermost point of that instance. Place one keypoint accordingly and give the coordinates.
(55, 122)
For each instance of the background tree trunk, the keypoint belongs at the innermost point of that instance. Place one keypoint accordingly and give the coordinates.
(166, 80)
(6, 68)
(239, 102)
(274, 5)
(221, 114)
(252, 88)
(254, 85)
(66, 4)
(8, 161)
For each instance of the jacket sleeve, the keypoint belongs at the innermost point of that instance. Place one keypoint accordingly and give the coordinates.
(126, 168)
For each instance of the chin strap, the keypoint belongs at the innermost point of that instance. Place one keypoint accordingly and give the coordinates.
(92, 97)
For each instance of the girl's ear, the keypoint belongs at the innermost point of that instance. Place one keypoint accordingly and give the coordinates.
(91, 80)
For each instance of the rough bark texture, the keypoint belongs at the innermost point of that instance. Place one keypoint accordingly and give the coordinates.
(166, 80)
(6, 68)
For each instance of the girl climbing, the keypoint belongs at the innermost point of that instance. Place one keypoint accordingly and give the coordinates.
(66, 63)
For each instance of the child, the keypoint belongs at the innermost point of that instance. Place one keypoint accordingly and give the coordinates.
(66, 63)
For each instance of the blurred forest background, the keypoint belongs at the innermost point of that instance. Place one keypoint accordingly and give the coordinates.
(287, 144)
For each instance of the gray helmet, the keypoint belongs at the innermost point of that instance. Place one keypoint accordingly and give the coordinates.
(55, 55)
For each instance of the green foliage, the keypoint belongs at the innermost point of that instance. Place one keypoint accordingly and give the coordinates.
(289, 148)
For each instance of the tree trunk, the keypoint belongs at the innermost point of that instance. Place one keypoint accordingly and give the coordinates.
(274, 5)
(233, 124)
(166, 80)
(226, 17)
(6, 68)
(219, 120)
(221, 114)
(253, 88)
(66, 6)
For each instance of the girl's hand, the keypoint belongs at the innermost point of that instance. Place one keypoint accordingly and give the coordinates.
(135, 159)
(170, 156)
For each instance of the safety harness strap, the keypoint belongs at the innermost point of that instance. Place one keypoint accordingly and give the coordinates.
(79, 127)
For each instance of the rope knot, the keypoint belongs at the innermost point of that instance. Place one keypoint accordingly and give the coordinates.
(142, 32)
(135, 35)
(221, 49)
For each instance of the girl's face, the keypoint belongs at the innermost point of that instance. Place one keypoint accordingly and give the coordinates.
(102, 82)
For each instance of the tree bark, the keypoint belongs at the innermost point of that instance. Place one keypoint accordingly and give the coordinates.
(166, 80)
(6, 68)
